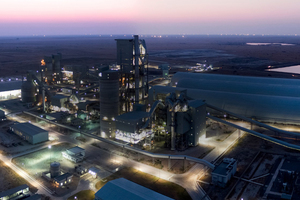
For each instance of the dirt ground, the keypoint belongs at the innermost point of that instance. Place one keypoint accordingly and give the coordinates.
(38, 162)
(244, 151)
(21, 54)
(11, 179)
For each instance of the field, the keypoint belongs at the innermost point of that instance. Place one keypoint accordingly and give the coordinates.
(229, 52)
(11, 179)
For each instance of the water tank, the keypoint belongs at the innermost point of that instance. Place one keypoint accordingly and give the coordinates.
(55, 169)
(109, 102)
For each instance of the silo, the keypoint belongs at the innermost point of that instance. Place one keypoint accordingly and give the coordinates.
(28, 90)
(109, 102)
(54, 169)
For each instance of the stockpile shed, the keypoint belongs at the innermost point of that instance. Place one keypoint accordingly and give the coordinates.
(14, 192)
(126, 190)
(30, 132)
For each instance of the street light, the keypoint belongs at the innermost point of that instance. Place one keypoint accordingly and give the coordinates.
(49, 147)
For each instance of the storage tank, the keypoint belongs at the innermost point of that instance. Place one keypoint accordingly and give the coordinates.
(28, 90)
(109, 102)
(54, 169)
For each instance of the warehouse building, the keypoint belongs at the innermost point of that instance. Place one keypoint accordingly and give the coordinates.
(15, 193)
(10, 89)
(264, 99)
(126, 190)
(30, 133)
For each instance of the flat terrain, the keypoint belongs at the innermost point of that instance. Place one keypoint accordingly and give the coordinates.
(11, 179)
(24, 53)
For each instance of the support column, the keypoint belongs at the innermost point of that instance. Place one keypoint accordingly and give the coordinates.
(173, 130)
(169, 163)
(184, 162)
(136, 68)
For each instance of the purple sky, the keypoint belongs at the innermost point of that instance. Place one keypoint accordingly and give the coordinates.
(76, 17)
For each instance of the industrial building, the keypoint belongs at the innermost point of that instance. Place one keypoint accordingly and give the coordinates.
(30, 132)
(124, 189)
(56, 176)
(130, 126)
(265, 99)
(2, 115)
(15, 193)
(10, 89)
(63, 179)
(75, 154)
(224, 172)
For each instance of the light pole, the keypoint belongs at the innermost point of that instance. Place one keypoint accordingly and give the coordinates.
(49, 147)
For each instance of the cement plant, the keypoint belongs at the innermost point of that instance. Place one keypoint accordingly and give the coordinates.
(136, 130)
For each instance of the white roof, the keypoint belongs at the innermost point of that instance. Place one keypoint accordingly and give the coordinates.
(76, 149)
(123, 189)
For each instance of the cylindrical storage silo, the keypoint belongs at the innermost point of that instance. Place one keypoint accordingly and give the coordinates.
(54, 169)
(109, 102)
(28, 91)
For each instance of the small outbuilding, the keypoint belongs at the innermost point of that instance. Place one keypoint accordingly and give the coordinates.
(224, 171)
(63, 179)
(126, 190)
(30, 132)
(74, 154)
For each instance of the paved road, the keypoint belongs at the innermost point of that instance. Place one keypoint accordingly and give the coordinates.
(187, 180)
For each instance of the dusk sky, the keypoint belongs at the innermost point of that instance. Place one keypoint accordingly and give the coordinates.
(76, 17)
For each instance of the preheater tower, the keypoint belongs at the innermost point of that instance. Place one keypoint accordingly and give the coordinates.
(132, 57)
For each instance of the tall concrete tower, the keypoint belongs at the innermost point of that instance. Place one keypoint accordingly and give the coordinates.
(109, 102)
(132, 57)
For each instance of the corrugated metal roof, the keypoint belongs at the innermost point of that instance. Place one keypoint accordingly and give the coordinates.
(220, 77)
(63, 177)
(196, 103)
(282, 109)
(76, 149)
(28, 128)
(241, 87)
(10, 85)
(123, 189)
(13, 190)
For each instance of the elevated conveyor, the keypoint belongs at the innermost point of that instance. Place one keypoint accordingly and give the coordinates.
(260, 135)
(152, 155)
